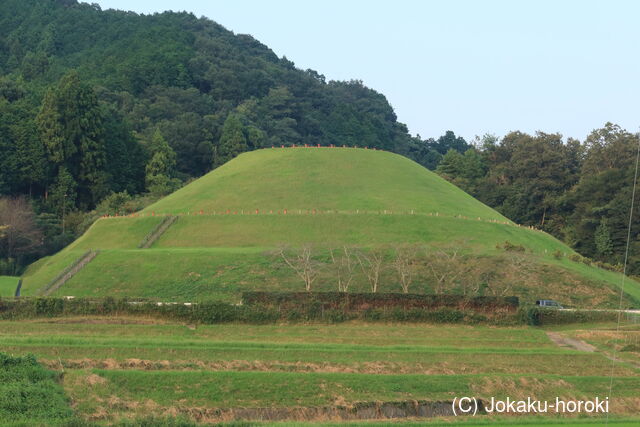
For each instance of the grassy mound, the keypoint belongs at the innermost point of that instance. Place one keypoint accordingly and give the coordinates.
(231, 221)
(342, 179)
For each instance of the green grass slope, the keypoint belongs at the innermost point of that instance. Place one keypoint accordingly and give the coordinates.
(231, 220)
(343, 179)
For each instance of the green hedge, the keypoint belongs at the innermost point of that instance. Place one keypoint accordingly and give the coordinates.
(537, 316)
(358, 302)
(211, 312)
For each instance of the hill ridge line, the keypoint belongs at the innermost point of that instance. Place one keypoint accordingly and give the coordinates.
(299, 212)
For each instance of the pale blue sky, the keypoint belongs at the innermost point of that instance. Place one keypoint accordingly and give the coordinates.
(469, 66)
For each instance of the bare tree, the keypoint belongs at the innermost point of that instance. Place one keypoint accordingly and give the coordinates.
(19, 234)
(302, 264)
(345, 265)
(519, 266)
(371, 266)
(404, 263)
(444, 267)
(512, 269)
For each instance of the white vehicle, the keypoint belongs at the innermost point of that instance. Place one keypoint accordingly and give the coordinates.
(547, 303)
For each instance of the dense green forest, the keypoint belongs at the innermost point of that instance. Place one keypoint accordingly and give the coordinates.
(105, 111)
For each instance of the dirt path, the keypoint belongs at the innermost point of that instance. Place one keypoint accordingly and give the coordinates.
(566, 342)
(580, 345)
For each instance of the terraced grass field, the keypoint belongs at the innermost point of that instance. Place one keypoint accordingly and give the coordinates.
(119, 367)
(232, 220)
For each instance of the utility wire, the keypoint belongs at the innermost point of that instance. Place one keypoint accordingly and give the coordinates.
(624, 271)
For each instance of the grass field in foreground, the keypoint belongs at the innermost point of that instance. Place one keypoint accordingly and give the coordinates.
(30, 395)
(128, 367)
(8, 286)
(497, 420)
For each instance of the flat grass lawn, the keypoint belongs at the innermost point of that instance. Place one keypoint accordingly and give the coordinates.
(128, 367)
(8, 286)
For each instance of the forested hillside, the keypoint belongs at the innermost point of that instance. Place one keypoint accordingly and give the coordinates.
(579, 192)
(96, 102)
(105, 111)
(123, 77)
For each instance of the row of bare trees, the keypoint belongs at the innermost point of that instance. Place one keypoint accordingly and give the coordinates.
(444, 268)
(345, 262)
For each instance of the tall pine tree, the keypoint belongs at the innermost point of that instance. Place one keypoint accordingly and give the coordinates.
(233, 141)
(71, 129)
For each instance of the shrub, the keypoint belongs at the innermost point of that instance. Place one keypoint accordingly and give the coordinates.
(510, 247)
(537, 316)
(575, 257)
(29, 393)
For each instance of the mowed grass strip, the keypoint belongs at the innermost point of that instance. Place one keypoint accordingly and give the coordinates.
(487, 350)
(234, 346)
(320, 360)
(461, 336)
(285, 389)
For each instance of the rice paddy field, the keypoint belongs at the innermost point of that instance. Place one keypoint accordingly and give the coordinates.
(122, 368)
